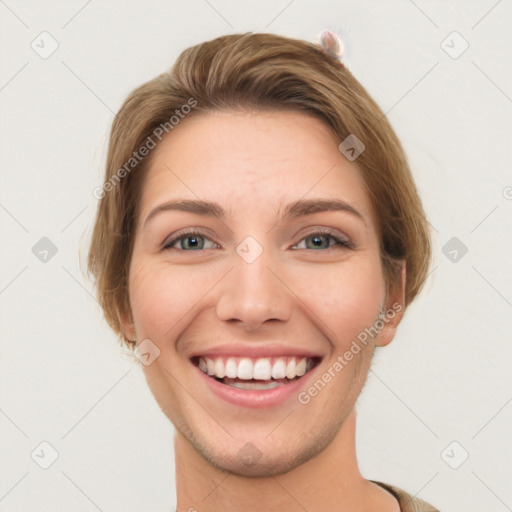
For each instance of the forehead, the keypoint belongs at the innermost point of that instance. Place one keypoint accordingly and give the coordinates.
(245, 160)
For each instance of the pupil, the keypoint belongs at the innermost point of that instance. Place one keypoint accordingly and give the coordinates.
(194, 243)
(317, 240)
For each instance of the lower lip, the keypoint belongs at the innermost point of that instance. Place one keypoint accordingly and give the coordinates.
(255, 398)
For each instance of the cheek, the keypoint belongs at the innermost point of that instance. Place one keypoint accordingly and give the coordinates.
(165, 297)
(159, 298)
(346, 297)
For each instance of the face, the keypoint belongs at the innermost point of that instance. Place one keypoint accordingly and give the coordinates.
(255, 267)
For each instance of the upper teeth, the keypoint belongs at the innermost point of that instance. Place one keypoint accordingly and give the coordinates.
(263, 368)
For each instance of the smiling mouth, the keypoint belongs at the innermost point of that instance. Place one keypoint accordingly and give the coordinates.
(256, 373)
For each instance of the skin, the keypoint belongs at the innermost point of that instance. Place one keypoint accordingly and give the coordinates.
(187, 300)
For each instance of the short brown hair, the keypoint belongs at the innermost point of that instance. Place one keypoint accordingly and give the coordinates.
(257, 71)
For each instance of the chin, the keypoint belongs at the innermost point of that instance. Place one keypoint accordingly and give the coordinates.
(261, 457)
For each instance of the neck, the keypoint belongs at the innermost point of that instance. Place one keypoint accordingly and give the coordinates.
(329, 481)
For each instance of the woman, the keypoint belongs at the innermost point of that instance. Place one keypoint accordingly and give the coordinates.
(258, 235)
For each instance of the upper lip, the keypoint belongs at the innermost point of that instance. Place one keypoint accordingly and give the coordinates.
(255, 350)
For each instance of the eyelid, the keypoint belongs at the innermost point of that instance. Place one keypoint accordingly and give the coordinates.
(324, 230)
(341, 239)
(175, 237)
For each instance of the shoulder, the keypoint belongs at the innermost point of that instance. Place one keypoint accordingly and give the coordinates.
(407, 502)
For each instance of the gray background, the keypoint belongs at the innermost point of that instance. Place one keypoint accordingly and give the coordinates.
(65, 381)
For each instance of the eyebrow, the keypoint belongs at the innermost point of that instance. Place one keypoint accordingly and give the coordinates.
(296, 209)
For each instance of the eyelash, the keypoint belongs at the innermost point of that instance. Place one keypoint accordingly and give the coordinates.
(339, 242)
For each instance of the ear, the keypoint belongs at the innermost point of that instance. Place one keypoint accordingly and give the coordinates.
(127, 325)
(394, 312)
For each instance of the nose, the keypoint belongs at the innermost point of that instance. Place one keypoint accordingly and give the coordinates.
(253, 293)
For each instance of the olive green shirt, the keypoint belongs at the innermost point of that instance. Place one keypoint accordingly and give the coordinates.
(407, 502)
